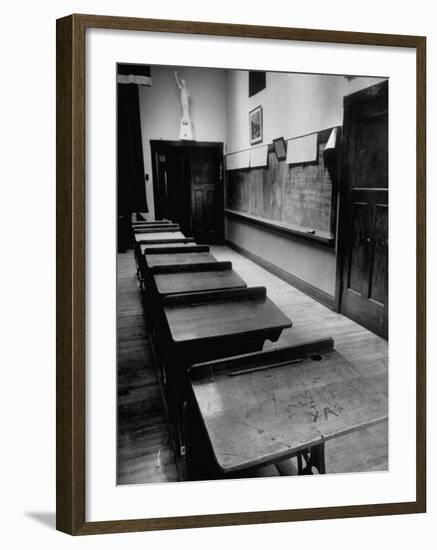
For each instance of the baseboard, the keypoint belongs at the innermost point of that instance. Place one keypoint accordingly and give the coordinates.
(312, 291)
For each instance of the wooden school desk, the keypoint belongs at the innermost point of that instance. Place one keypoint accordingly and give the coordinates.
(265, 407)
(167, 280)
(223, 321)
(168, 274)
(178, 259)
(149, 264)
(208, 325)
(170, 255)
(164, 237)
(192, 277)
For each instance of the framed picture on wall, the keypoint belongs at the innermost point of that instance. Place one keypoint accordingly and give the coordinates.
(256, 125)
(153, 386)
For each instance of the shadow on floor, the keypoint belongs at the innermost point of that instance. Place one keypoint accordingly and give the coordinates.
(45, 518)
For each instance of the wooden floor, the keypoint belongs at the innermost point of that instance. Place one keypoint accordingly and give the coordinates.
(144, 450)
(145, 453)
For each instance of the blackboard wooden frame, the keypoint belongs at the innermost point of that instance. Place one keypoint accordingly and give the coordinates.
(71, 247)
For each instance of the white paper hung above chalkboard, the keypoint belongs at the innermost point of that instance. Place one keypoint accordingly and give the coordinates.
(302, 149)
(238, 161)
(258, 156)
(332, 141)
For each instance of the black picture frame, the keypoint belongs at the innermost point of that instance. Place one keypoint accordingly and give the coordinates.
(256, 125)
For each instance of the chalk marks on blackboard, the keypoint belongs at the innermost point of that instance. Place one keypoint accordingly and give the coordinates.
(298, 195)
(308, 195)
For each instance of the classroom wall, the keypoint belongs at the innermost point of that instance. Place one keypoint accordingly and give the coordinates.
(293, 105)
(160, 109)
(311, 263)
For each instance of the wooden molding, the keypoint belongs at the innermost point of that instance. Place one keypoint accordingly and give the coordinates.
(312, 291)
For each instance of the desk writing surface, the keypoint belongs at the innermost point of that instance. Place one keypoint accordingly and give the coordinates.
(197, 281)
(268, 414)
(153, 260)
(164, 248)
(156, 228)
(158, 236)
(227, 313)
(152, 224)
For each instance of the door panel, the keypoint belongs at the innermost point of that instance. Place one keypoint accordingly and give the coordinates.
(371, 152)
(198, 204)
(358, 250)
(207, 192)
(170, 185)
(363, 230)
(378, 283)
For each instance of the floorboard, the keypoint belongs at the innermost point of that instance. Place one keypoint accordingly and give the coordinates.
(144, 450)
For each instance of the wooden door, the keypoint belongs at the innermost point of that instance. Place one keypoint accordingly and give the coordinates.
(188, 187)
(172, 198)
(363, 229)
(207, 200)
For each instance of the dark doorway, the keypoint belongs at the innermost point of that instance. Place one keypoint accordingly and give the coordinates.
(362, 275)
(188, 187)
(131, 190)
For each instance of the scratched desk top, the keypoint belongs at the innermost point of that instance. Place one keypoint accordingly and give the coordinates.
(224, 313)
(193, 278)
(159, 236)
(256, 415)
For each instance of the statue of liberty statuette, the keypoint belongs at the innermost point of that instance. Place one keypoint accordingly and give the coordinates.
(186, 128)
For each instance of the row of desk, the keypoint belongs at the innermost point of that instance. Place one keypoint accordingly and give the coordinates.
(237, 409)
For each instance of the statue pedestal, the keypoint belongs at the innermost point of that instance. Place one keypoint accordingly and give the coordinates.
(186, 129)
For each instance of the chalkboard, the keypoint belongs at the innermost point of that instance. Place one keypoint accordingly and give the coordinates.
(299, 196)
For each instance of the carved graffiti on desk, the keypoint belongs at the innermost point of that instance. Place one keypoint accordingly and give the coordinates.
(342, 395)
